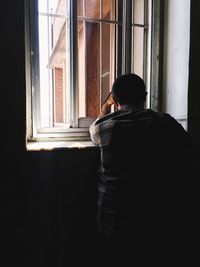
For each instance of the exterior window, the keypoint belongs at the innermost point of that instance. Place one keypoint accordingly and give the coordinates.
(75, 50)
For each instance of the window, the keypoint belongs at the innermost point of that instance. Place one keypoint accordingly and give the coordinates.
(74, 51)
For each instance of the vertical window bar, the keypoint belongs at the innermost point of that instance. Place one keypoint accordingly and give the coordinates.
(149, 46)
(73, 63)
(85, 51)
(132, 37)
(84, 8)
(29, 121)
(85, 59)
(128, 35)
(123, 61)
(115, 46)
(101, 55)
(34, 58)
(119, 38)
(145, 40)
(111, 10)
(49, 74)
(116, 40)
(156, 60)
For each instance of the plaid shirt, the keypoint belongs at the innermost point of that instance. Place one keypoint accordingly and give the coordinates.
(125, 138)
(105, 133)
(101, 129)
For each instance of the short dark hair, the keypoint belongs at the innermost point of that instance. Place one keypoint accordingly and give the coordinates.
(129, 89)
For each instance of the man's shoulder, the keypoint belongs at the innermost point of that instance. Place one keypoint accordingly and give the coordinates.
(124, 114)
(108, 118)
(143, 116)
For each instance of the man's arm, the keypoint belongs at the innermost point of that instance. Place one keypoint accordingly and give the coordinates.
(105, 109)
(106, 106)
(93, 132)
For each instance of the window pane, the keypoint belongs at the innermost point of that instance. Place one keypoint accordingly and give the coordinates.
(105, 82)
(99, 56)
(139, 11)
(47, 6)
(92, 68)
(138, 48)
(58, 7)
(53, 59)
(80, 8)
(106, 9)
(96, 59)
(88, 68)
(105, 48)
(81, 69)
(45, 72)
(58, 96)
(106, 63)
(92, 8)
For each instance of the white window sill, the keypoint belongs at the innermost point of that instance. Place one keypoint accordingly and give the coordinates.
(57, 145)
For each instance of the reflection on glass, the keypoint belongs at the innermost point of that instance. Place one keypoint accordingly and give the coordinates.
(105, 48)
(96, 54)
(107, 9)
(139, 11)
(96, 57)
(105, 87)
(138, 49)
(80, 8)
(92, 8)
(53, 61)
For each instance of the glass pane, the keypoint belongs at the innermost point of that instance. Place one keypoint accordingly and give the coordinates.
(138, 48)
(45, 73)
(105, 48)
(105, 82)
(112, 10)
(92, 8)
(45, 7)
(95, 65)
(93, 72)
(53, 59)
(58, 96)
(139, 11)
(106, 9)
(58, 7)
(99, 55)
(114, 7)
(96, 58)
(81, 69)
(57, 30)
(107, 60)
(80, 8)
(92, 42)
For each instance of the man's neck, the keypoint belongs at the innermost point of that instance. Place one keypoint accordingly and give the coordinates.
(132, 106)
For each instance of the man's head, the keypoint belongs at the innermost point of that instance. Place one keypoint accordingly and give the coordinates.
(129, 89)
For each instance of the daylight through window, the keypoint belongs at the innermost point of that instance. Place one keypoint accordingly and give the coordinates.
(77, 49)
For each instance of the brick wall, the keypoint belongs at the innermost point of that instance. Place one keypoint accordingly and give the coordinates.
(58, 108)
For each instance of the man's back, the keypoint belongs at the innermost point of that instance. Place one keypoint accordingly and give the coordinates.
(141, 183)
(145, 198)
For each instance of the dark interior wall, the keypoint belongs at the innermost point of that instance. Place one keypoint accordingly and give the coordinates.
(48, 206)
(47, 198)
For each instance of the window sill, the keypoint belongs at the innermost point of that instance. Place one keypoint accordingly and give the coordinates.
(58, 145)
